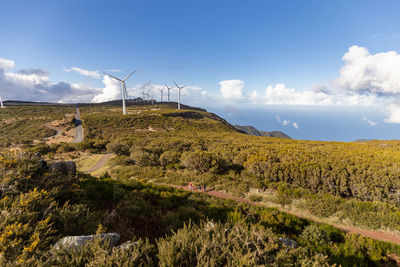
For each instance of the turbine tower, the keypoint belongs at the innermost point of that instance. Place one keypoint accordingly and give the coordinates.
(168, 88)
(161, 93)
(144, 95)
(1, 102)
(124, 92)
(179, 94)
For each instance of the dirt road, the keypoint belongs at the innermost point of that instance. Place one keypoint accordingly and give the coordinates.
(79, 129)
(100, 163)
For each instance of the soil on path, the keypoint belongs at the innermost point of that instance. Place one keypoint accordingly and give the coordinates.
(79, 129)
(100, 163)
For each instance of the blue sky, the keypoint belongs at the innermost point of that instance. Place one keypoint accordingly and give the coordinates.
(228, 52)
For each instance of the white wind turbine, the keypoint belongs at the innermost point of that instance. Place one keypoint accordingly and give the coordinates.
(168, 88)
(179, 94)
(161, 93)
(1, 102)
(124, 92)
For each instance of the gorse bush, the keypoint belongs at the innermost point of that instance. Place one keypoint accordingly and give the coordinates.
(39, 205)
(216, 244)
(98, 253)
(118, 148)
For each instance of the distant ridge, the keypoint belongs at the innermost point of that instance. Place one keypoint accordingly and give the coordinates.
(250, 130)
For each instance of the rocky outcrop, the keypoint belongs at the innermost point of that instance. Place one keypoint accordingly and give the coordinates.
(288, 242)
(76, 242)
(66, 167)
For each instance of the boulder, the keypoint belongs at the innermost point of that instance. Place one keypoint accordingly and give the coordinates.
(76, 242)
(42, 164)
(68, 167)
(127, 245)
(288, 242)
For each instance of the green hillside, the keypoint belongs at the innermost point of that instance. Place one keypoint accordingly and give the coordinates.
(351, 184)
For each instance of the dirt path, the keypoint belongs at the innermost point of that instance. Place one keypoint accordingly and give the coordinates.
(79, 129)
(58, 131)
(382, 236)
(100, 163)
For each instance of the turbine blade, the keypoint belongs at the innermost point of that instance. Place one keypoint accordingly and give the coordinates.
(113, 77)
(127, 77)
(176, 84)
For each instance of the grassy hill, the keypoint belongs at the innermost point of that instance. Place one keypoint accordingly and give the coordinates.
(352, 183)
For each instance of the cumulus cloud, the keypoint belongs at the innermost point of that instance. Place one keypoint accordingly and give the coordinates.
(295, 125)
(35, 85)
(367, 80)
(232, 89)
(111, 90)
(279, 94)
(393, 114)
(363, 72)
(283, 122)
(88, 73)
(6, 64)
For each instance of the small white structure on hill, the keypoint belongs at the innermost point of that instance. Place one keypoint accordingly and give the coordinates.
(1, 103)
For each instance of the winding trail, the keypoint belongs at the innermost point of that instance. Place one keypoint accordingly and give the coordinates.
(377, 235)
(100, 163)
(79, 129)
(58, 132)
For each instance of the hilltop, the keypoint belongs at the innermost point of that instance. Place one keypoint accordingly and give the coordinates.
(253, 131)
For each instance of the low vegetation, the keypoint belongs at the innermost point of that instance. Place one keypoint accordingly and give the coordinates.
(41, 204)
(351, 183)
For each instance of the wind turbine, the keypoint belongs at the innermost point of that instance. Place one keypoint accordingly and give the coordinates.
(179, 94)
(162, 92)
(144, 94)
(169, 88)
(124, 92)
(1, 102)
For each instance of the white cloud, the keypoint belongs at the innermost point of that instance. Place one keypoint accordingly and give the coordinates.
(295, 125)
(393, 114)
(279, 94)
(232, 89)
(283, 122)
(88, 73)
(6, 63)
(363, 72)
(372, 123)
(111, 90)
(35, 85)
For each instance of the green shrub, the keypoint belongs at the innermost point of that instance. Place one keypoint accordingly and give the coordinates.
(169, 157)
(118, 148)
(255, 198)
(216, 244)
(64, 148)
(98, 253)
